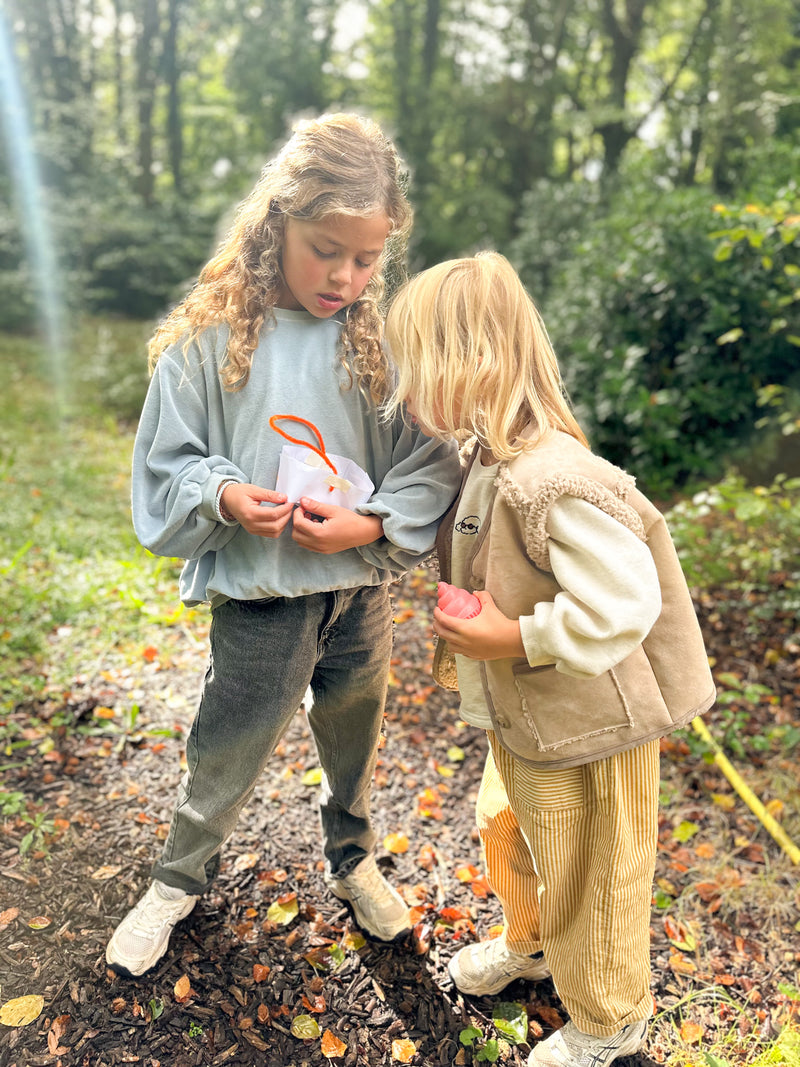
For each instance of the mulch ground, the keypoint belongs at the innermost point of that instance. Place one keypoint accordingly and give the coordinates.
(236, 979)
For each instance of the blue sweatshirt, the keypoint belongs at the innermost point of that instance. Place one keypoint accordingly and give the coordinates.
(193, 435)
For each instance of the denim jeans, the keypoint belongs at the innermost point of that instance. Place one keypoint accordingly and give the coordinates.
(264, 656)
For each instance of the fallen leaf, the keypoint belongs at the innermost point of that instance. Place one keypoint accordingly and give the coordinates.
(316, 1006)
(331, 1046)
(246, 861)
(104, 713)
(403, 1050)
(260, 972)
(40, 922)
(396, 843)
(7, 917)
(313, 776)
(691, 1033)
(354, 941)
(466, 874)
(183, 989)
(21, 1010)
(284, 909)
(304, 1027)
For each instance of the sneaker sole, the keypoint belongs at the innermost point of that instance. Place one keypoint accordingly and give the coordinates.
(491, 990)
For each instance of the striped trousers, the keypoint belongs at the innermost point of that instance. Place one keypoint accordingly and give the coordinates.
(571, 856)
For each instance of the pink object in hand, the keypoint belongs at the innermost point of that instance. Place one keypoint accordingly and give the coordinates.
(457, 602)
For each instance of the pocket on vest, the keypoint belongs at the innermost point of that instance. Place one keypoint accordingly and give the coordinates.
(558, 709)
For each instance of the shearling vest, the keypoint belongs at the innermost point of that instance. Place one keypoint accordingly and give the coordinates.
(539, 714)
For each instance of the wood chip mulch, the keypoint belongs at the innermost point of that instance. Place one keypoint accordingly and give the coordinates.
(234, 982)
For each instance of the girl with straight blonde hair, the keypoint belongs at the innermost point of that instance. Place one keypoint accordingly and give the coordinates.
(584, 651)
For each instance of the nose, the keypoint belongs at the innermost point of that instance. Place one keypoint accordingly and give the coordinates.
(341, 273)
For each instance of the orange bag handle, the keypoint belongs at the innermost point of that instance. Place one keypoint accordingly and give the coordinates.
(297, 441)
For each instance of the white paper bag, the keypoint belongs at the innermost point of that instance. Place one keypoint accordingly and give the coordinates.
(304, 473)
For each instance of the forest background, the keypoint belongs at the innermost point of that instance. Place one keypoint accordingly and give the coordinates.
(637, 160)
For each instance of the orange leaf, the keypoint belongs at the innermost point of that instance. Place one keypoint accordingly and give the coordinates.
(466, 874)
(183, 989)
(427, 858)
(331, 1045)
(481, 887)
(396, 843)
(317, 1005)
(260, 972)
(403, 1050)
(691, 1032)
(681, 965)
(150, 653)
(104, 713)
(450, 915)
(7, 917)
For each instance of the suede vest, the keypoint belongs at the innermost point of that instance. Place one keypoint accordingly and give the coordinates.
(541, 715)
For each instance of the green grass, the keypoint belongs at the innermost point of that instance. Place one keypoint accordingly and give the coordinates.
(71, 570)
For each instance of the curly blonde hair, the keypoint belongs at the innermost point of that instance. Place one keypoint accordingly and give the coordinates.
(338, 164)
(472, 351)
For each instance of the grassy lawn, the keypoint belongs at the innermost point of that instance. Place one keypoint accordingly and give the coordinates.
(75, 586)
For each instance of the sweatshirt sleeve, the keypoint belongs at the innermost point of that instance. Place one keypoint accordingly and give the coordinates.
(610, 594)
(174, 479)
(417, 490)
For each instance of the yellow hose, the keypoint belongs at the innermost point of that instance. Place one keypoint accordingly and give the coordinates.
(747, 794)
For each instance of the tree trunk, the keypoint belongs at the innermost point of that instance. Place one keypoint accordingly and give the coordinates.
(172, 78)
(145, 93)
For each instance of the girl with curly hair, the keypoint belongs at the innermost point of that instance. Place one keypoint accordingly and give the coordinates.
(285, 319)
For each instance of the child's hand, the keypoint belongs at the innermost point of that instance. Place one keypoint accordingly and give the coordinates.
(244, 503)
(339, 529)
(490, 635)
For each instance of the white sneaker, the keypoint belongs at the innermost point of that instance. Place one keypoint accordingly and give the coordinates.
(379, 909)
(489, 966)
(140, 940)
(569, 1047)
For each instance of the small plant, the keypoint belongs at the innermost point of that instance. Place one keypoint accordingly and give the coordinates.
(36, 838)
(511, 1022)
(16, 806)
(195, 1030)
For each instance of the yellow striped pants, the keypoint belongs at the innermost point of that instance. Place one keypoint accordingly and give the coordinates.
(571, 856)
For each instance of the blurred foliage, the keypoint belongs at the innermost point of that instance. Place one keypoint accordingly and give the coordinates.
(670, 311)
(640, 171)
(741, 540)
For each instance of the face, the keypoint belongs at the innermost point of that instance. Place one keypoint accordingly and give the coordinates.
(327, 263)
(438, 416)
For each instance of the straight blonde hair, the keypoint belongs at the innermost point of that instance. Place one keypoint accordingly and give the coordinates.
(472, 351)
(338, 164)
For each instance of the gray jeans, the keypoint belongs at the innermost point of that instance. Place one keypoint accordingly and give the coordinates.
(264, 656)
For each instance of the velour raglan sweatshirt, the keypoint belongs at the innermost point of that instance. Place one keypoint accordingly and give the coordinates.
(193, 435)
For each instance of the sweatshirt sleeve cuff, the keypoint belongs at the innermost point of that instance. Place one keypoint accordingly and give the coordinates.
(534, 653)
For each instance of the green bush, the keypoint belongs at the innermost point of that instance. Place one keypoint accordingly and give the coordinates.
(112, 253)
(669, 313)
(743, 541)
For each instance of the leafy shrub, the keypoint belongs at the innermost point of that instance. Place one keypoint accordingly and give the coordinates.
(112, 252)
(743, 540)
(667, 324)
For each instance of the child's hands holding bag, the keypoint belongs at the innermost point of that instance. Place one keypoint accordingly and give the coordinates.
(328, 528)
